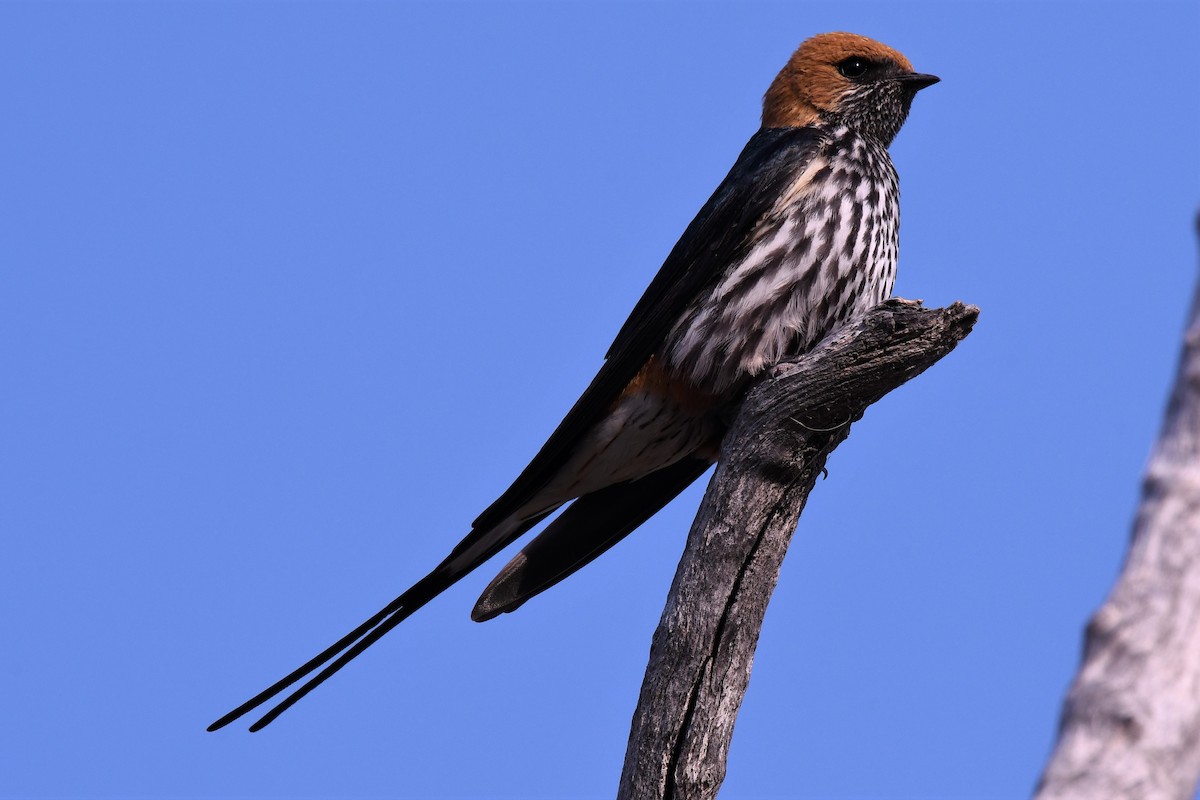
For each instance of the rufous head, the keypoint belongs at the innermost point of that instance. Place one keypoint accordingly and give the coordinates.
(848, 78)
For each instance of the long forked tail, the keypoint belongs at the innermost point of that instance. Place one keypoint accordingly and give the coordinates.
(477, 548)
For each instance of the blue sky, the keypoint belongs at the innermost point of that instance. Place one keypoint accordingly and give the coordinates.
(290, 292)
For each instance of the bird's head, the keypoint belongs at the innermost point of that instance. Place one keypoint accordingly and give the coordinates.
(848, 78)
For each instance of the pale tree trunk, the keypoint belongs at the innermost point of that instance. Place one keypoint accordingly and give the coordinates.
(788, 424)
(1130, 725)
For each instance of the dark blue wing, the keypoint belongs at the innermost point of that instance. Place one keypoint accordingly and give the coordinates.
(718, 237)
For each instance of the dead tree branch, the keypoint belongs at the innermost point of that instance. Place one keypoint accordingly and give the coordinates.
(1130, 724)
(785, 429)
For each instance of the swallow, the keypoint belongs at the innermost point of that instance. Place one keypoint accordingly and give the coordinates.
(799, 238)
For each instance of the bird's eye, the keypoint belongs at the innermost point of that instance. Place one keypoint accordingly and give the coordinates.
(853, 67)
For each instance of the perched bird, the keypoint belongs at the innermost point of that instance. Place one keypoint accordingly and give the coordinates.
(800, 237)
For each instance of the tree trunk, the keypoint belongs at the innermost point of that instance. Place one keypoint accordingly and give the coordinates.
(785, 428)
(1130, 725)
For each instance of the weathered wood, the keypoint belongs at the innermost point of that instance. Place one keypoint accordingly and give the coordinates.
(788, 424)
(1130, 726)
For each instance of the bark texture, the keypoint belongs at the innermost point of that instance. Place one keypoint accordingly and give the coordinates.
(1130, 725)
(788, 424)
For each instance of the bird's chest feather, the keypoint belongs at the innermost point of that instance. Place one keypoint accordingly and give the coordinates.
(824, 253)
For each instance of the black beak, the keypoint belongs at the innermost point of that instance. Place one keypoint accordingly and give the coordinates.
(916, 81)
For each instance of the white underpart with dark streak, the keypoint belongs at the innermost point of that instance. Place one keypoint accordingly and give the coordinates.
(644, 433)
(813, 270)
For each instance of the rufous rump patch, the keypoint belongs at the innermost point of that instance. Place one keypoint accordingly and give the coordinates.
(653, 379)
